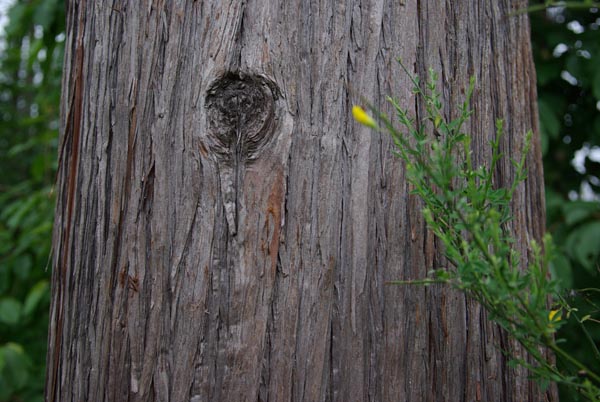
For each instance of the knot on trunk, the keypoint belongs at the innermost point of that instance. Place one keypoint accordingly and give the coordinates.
(240, 112)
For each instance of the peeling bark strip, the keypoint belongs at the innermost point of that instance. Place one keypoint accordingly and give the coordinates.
(224, 230)
(69, 162)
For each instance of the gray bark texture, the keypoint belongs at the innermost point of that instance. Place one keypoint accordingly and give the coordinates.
(224, 229)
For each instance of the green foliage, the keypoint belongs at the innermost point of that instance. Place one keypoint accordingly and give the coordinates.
(30, 73)
(469, 215)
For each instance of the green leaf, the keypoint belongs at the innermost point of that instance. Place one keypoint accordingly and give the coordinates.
(36, 293)
(22, 266)
(554, 201)
(16, 367)
(549, 122)
(575, 65)
(596, 85)
(10, 310)
(583, 244)
(5, 279)
(578, 211)
(46, 12)
(562, 271)
(19, 210)
(16, 15)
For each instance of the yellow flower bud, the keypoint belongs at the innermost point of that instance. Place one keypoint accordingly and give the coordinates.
(362, 117)
(552, 314)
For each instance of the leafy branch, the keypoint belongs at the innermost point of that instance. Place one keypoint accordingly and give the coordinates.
(470, 215)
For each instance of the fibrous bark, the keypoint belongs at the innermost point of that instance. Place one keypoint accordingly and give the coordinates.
(224, 230)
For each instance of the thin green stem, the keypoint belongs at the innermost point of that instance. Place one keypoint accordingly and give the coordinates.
(587, 290)
(418, 282)
(556, 349)
(588, 337)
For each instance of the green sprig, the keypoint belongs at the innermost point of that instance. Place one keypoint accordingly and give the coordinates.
(469, 214)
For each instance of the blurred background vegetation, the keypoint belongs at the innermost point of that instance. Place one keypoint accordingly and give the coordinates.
(31, 49)
(566, 45)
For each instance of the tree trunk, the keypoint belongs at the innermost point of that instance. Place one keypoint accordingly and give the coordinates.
(224, 230)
